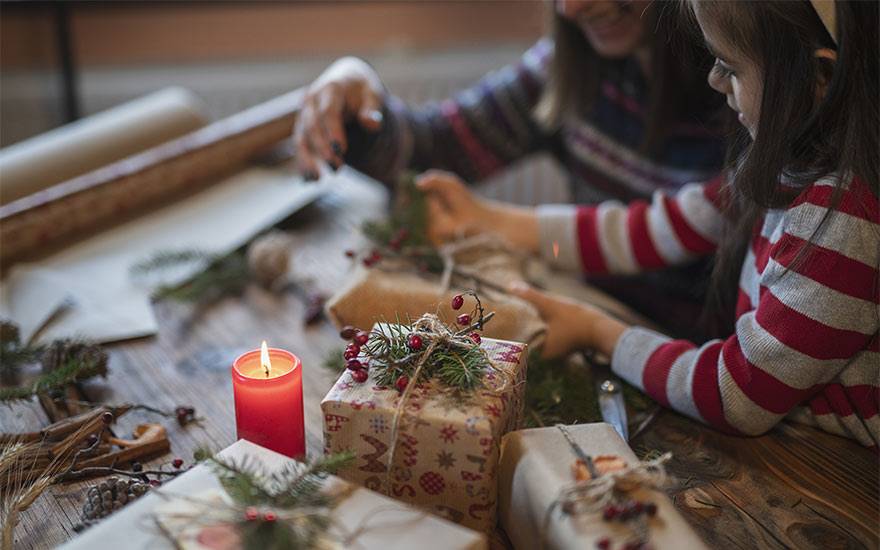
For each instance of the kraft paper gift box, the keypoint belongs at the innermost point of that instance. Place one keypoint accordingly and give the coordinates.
(381, 523)
(447, 448)
(537, 464)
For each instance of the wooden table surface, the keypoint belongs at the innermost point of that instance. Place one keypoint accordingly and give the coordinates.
(795, 487)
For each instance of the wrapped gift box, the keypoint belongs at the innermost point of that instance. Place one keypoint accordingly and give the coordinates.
(447, 450)
(386, 524)
(537, 463)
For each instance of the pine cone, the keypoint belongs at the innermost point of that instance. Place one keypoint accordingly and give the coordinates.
(269, 258)
(60, 352)
(109, 496)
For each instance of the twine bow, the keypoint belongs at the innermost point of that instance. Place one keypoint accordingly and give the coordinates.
(592, 495)
(437, 333)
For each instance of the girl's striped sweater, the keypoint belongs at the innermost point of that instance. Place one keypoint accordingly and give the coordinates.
(806, 335)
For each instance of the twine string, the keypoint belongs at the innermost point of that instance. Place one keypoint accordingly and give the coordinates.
(437, 333)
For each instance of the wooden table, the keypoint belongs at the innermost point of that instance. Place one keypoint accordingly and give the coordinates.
(795, 487)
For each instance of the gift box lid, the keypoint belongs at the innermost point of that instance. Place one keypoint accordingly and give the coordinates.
(398, 527)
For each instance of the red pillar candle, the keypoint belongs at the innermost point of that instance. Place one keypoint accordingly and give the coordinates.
(267, 386)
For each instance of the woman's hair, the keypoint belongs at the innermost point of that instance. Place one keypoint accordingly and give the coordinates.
(677, 85)
(802, 135)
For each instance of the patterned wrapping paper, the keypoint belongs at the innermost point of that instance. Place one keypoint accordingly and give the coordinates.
(447, 451)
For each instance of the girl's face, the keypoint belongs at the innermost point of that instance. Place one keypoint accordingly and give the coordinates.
(735, 76)
(615, 28)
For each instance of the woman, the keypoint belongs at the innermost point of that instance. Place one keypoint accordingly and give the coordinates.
(621, 105)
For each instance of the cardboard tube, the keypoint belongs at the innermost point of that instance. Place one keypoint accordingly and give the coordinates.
(95, 141)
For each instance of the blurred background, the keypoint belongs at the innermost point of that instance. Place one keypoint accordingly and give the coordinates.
(236, 54)
(64, 60)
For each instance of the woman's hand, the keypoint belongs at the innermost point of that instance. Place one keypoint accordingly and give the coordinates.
(454, 211)
(348, 89)
(571, 325)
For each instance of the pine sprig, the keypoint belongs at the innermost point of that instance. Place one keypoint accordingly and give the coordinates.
(450, 354)
(295, 491)
(74, 370)
(405, 231)
(217, 276)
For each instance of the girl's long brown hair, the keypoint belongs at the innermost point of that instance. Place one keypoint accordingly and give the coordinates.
(677, 86)
(801, 136)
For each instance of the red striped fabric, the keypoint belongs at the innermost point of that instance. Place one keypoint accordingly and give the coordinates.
(706, 390)
(588, 237)
(825, 266)
(689, 238)
(657, 369)
(805, 334)
(765, 390)
(856, 201)
(640, 238)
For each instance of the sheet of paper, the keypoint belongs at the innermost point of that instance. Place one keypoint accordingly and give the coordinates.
(108, 304)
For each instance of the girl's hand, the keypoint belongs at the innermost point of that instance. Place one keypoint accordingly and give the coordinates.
(454, 211)
(571, 325)
(348, 89)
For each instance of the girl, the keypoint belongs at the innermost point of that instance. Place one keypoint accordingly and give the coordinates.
(797, 223)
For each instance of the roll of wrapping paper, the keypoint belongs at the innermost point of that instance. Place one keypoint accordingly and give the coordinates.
(109, 194)
(95, 141)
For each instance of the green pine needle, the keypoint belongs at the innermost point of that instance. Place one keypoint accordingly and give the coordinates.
(75, 370)
(297, 486)
(219, 275)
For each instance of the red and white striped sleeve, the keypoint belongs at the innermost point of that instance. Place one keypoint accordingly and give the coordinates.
(812, 327)
(622, 239)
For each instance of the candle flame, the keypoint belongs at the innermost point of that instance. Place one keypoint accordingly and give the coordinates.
(264, 359)
(555, 249)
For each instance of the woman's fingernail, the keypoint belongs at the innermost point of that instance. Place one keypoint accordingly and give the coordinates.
(375, 116)
(337, 149)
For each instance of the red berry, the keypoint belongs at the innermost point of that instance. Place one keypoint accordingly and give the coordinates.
(638, 507)
(651, 509)
(360, 376)
(464, 319)
(610, 512)
(250, 513)
(348, 332)
(475, 336)
(457, 301)
(402, 383)
(414, 342)
(269, 516)
(354, 364)
(350, 253)
(92, 440)
(107, 417)
(349, 354)
(603, 544)
(361, 338)
(368, 262)
(177, 463)
(155, 483)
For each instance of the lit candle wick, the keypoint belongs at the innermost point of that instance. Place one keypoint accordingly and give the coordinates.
(264, 359)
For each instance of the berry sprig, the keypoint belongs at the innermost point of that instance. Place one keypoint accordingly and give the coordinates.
(450, 353)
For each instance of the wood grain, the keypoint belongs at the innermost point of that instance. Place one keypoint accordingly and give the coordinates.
(794, 487)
